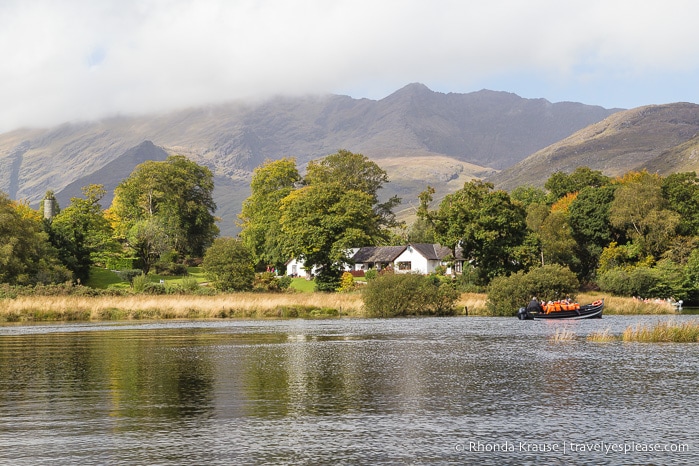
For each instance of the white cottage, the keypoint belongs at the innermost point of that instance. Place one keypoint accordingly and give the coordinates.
(420, 258)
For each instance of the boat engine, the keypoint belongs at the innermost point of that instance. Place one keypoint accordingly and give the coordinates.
(522, 314)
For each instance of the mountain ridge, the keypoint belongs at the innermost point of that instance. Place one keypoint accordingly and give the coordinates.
(464, 135)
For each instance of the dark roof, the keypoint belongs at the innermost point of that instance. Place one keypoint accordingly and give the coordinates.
(381, 254)
(431, 251)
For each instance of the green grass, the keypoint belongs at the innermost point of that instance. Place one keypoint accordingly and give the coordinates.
(301, 284)
(103, 278)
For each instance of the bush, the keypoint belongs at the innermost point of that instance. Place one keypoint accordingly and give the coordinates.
(285, 282)
(391, 295)
(228, 265)
(170, 268)
(371, 274)
(266, 282)
(346, 282)
(139, 282)
(550, 282)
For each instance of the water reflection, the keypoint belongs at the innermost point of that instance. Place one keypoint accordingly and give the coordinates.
(405, 390)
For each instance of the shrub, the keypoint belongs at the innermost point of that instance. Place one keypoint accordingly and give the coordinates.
(346, 283)
(139, 282)
(266, 282)
(507, 294)
(391, 295)
(285, 282)
(170, 268)
(371, 274)
(228, 265)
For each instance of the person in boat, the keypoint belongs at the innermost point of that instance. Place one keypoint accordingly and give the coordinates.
(534, 305)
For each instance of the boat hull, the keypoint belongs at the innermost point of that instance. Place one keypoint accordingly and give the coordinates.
(587, 311)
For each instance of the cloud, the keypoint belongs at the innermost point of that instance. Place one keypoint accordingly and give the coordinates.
(81, 59)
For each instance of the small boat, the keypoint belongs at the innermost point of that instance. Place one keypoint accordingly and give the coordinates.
(586, 311)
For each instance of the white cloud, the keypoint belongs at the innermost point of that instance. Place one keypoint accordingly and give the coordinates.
(80, 59)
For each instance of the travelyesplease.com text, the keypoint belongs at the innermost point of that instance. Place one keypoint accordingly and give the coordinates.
(566, 447)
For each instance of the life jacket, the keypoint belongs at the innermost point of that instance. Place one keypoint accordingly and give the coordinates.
(557, 306)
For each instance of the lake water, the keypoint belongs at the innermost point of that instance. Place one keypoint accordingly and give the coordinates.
(402, 391)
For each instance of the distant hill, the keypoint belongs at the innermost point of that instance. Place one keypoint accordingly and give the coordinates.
(660, 138)
(421, 137)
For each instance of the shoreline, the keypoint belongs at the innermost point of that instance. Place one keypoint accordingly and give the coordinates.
(245, 306)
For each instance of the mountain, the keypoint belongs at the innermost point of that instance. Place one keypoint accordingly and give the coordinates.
(419, 136)
(659, 138)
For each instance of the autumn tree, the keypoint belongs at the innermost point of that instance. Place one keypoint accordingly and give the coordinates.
(26, 256)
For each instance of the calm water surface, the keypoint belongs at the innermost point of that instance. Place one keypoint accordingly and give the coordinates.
(403, 391)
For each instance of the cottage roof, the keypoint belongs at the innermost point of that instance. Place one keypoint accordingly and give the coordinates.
(381, 254)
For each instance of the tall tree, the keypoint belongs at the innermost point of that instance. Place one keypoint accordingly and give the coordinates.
(260, 217)
(81, 233)
(486, 224)
(337, 209)
(179, 193)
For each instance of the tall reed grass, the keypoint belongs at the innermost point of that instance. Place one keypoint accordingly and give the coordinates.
(603, 336)
(238, 305)
(663, 332)
(627, 306)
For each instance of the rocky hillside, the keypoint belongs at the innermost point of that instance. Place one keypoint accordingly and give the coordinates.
(660, 138)
(420, 137)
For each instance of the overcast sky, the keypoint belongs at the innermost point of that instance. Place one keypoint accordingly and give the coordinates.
(83, 59)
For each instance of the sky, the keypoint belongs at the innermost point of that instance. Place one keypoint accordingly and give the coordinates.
(75, 60)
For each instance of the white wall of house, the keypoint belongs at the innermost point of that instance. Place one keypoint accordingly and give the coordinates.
(412, 261)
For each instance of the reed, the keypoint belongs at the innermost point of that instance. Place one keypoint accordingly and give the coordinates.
(563, 335)
(663, 332)
(472, 304)
(238, 305)
(604, 336)
(627, 306)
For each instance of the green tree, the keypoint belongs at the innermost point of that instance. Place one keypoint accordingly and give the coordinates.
(528, 195)
(486, 224)
(640, 208)
(260, 217)
(26, 256)
(82, 234)
(321, 222)
(179, 193)
(559, 183)
(681, 190)
(591, 228)
(337, 209)
(228, 265)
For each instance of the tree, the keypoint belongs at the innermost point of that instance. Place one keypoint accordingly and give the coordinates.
(486, 224)
(259, 219)
(179, 193)
(321, 222)
(559, 183)
(640, 209)
(337, 209)
(26, 256)
(228, 265)
(681, 190)
(82, 234)
(591, 228)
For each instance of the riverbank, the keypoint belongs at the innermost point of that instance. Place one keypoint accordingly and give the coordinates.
(244, 306)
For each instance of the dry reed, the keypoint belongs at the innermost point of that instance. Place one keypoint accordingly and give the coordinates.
(627, 306)
(238, 305)
(604, 336)
(472, 304)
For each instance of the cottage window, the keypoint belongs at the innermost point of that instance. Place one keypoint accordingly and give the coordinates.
(404, 265)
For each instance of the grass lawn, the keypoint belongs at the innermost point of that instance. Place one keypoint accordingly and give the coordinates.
(103, 278)
(301, 284)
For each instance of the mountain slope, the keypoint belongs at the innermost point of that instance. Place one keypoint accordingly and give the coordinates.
(631, 139)
(446, 139)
